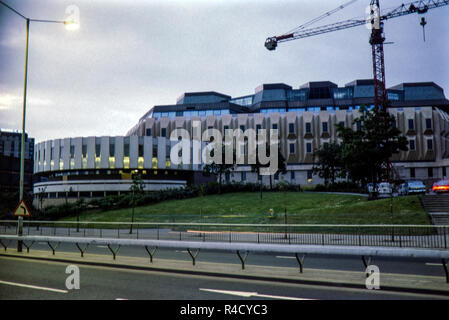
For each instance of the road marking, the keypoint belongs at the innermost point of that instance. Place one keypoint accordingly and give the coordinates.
(102, 246)
(121, 299)
(285, 257)
(32, 287)
(434, 264)
(252, 294)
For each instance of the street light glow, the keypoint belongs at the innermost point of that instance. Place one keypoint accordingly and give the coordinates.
(71, 25)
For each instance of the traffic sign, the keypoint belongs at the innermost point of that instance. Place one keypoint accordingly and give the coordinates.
(22, 210)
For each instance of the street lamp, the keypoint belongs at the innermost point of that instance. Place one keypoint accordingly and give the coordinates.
(70, 25)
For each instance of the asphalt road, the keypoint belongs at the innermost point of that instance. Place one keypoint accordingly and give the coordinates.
(26, 279)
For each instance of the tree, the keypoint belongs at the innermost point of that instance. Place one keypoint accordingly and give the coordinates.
(329, 162)
(366, 150)
(219, 169)
(137, 187)
(281, 166)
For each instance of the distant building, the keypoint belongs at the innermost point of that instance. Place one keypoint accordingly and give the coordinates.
(305, 117)
(10, 147)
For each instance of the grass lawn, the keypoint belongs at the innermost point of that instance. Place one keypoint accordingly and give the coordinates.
(246, 207)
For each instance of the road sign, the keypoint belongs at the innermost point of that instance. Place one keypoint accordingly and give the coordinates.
(22, 210)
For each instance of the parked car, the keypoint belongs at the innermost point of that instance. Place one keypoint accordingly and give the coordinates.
(384, 190)
(416, 186)
(441, 186)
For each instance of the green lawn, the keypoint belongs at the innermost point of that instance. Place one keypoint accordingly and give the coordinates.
(246, 207)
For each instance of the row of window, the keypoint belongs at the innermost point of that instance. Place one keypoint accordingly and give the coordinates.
(190, 113)
(412, 144)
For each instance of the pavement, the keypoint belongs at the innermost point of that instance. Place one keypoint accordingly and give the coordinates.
(394, 282)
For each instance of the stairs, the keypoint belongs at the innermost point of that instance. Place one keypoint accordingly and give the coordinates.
(437, 206)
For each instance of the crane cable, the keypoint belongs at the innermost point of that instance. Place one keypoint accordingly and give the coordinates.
(327, 14)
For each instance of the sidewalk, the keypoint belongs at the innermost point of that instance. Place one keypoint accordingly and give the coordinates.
(393, 282)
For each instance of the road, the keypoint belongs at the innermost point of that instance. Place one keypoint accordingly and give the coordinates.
(27, 279)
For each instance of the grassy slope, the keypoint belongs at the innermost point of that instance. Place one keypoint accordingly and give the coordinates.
(303, 207)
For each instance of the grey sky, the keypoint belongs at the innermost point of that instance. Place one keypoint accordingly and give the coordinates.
(130, 55)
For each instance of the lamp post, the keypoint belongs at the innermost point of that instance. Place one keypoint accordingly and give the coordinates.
(70, 25)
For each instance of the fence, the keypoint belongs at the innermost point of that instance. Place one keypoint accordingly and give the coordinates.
(404, 236)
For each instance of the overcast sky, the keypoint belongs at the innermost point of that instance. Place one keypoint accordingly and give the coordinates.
(128, 56)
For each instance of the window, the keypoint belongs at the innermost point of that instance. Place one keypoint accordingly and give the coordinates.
(324, 126)
(291, 128)
(292, 148)
(292, 175)
(411, 145)
(411, 124)
(444, 172)
(148, 132)
(258, 127)
(309, 176)
(225, 128)
(308, 127)
(429, 144)
(428, 124)
(430, 172)
(412, 172)
(163, 132)
(308, 147)
(242, 128)
(275, 126)
(243, 176)
(342, 124)
(359, 125)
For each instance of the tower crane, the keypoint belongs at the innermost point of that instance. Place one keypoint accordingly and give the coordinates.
(377, 38)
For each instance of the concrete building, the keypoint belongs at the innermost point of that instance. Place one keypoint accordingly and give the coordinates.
(10, 146)
(305, 118)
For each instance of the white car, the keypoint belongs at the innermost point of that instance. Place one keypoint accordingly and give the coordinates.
(384, 189)
(416, 186)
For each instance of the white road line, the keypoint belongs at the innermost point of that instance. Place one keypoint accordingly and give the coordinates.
(121, 299)
(285, 257)
(251, 294)
(434, 264)
(32, 287)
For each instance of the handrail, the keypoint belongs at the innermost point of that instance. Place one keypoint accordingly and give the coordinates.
(232, 224)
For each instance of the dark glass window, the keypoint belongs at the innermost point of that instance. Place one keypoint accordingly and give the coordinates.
(428, 123)
(242, 128)
(444, 171)
(308, 127)
(412, 144)
(292, 148)
(429, 144)
(163, 132)
(258, 127)
(308, 147)
(430, 172)
(291, 127)
(148, 132)
(324, 126)
(275, 126)
(126, 150)
(292, 175)
(412, 172)
(411, 124)
(243, 176)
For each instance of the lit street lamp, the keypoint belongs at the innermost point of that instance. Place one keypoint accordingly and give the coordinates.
(70, 25)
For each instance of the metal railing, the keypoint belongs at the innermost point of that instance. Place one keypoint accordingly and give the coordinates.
(404, 236)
